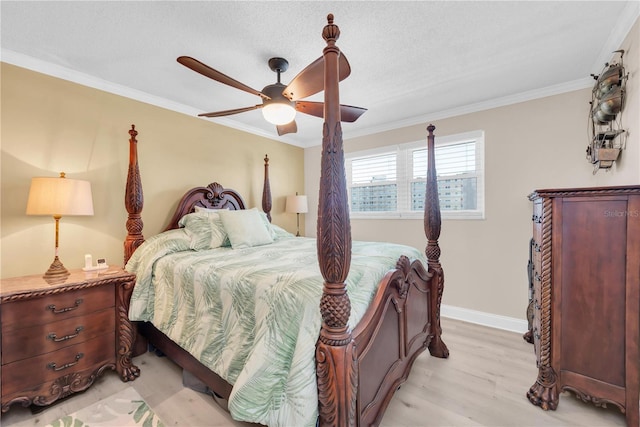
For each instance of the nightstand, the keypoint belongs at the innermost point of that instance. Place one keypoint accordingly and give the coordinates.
(57, 338)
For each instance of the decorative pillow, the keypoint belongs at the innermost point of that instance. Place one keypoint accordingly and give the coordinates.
(201, 209)
(246, 228)
(205, 229)
(280, 233)
(272, 232)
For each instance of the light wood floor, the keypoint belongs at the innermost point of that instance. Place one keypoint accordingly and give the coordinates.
(483, 383)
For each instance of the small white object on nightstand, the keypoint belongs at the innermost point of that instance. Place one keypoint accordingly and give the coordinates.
(102, 264)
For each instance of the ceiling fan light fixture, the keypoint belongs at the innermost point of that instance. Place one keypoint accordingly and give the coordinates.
(278, 112)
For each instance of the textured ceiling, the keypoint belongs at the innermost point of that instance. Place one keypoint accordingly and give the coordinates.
(412, 62)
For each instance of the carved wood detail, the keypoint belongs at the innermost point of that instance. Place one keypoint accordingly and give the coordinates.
(126, 333)
(133, 199)
(59, 388)
(266, 189)
(213, 196)
(544, 392)
(432, 225)
(599, 402)
(55, 291)
(336, 355)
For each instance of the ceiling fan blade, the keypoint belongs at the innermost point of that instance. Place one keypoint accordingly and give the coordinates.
(216, 75)
(311, 80)
(290, 127)
(230, 112)
(348, 113)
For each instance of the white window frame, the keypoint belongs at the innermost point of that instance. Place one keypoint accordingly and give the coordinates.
(404, 177)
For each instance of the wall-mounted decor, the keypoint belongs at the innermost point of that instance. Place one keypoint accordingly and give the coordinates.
(606, 135)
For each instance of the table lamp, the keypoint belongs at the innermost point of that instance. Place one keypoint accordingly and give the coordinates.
(297, 204)
(59, 197)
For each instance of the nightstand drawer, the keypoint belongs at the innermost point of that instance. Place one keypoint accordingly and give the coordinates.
(29, 373)
(58, 338)
(34, 340)
(57, 307)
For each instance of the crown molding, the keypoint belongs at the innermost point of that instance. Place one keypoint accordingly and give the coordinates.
(64, 73)
(571, 86)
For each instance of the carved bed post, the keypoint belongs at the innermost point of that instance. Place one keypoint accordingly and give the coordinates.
(432, 223)
(266, 189)
(336, 365)
(133, 199)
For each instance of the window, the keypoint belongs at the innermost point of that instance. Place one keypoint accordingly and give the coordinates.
(390, 182)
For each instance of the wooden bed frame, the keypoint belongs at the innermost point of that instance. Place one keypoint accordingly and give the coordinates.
(357, 371)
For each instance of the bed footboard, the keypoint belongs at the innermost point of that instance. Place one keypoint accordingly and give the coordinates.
(390, 337)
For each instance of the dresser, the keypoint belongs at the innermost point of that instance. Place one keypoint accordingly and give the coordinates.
(57, 338)
(586, 296)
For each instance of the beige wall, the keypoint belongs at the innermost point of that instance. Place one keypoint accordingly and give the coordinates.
(530, 145)
(51, 125)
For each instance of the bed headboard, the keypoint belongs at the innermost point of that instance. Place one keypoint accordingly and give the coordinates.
(213, 196)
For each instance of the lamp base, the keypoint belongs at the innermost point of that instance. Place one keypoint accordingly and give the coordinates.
(56, 271)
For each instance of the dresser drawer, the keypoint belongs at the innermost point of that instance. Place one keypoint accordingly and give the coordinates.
(24, 343)
(29, 373)
(51, 308)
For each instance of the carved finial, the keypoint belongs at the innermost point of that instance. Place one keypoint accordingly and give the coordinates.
(266, 159)
(331, 32)
(62, 175)
(431, 128)
(133, 132)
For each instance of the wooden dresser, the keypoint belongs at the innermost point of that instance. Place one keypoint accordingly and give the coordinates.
(57, 338)
(586, 299)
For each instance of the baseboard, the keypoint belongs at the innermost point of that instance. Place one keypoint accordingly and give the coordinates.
(486, 319)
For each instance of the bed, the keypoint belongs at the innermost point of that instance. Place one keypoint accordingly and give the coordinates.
(358, 365)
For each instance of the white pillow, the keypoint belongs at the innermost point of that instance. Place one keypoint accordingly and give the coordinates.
(245, 228)
(280, 233)
(201, 209)
(205, 229)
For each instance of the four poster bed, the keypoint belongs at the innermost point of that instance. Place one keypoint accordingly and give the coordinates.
(358, 365)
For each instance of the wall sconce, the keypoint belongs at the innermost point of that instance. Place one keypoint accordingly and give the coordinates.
(59, 197)
(297, 204)
(607, 101)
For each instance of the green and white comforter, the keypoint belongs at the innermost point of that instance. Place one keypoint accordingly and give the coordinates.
(252, 315)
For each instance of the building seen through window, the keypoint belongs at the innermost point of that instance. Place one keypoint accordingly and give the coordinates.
(392, 181)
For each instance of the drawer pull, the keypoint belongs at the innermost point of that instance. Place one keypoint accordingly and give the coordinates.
(53, 337)
(52, 307)
(54, 367)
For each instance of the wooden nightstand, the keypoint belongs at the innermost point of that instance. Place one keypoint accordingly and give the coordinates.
(58, 338)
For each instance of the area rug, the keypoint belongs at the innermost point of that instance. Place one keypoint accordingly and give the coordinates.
(123, 409)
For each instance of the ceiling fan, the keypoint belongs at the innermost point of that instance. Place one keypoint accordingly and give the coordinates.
(280, 102)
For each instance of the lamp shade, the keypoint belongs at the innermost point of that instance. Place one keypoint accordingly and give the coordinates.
(278, 113)
(297, 204)
(59, 196)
